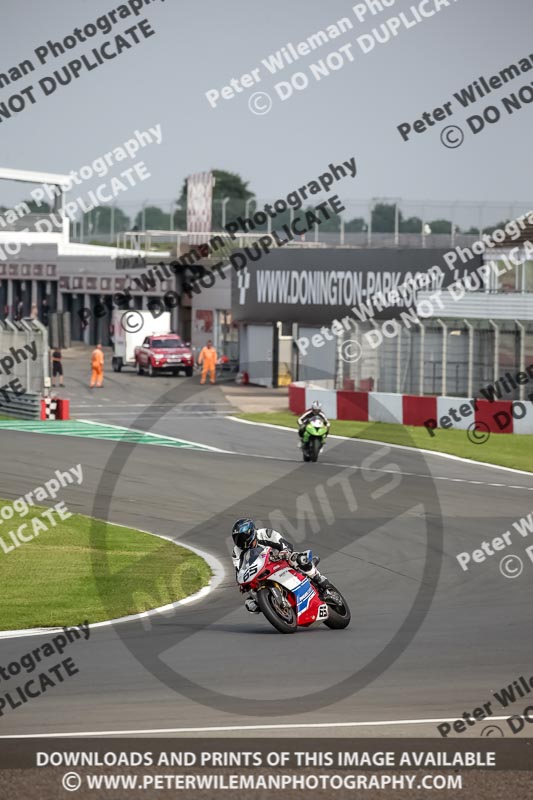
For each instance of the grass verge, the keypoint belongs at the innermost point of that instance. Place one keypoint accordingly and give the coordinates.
(502, 449)
(85, 569)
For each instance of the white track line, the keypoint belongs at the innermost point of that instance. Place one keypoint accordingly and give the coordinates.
(200, 447)
(216, 580)
(157, 435)
(428, 477)
(389, 444)
(333, 464)
(149, 405)
(227, 728)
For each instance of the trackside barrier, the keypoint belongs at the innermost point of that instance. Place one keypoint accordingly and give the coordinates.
(24, 353)
(54, 408)
(48, 408)
(512, 416)
(33, 406)
(63, 409)
(297, 398)
(23, 406)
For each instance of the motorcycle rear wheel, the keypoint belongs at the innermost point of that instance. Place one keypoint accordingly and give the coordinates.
(268, 605)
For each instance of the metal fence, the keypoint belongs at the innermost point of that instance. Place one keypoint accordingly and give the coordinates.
(24, 355)
(452, 357)
(375, 222)
(25, 406)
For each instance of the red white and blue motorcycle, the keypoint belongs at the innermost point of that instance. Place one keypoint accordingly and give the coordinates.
(286, 596)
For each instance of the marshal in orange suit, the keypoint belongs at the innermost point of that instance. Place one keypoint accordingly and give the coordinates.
(208, 360)
(97, 367)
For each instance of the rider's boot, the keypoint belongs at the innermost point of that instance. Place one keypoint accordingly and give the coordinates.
(316, 577)
(252, 606)
(321, 581)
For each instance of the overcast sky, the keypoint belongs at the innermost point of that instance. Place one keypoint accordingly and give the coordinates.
(201, 44)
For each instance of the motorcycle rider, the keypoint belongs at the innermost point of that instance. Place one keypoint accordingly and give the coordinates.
(314, 411)
(246, 536)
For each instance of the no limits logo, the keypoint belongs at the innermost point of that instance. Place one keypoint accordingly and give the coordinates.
(173, 664)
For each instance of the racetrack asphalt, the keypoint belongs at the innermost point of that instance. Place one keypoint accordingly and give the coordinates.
(427, 641)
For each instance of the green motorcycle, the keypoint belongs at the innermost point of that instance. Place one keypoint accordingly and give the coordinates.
(313, 439)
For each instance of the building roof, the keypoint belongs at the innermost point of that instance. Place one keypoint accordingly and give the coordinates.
(80, 249)
(526, 235)
(28, 176)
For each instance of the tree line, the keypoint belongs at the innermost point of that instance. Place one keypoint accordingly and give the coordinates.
(103, 219)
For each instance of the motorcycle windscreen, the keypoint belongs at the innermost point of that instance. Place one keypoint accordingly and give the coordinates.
(252, 562)
(317, 423)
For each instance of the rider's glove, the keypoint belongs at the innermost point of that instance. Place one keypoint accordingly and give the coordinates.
(301, 560)
(286, 554)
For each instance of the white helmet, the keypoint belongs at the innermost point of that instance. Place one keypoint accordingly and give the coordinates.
(316, 406)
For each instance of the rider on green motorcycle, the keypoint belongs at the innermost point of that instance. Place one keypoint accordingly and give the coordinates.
(314, 411)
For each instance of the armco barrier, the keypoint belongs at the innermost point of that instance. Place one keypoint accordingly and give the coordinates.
(33, 406)
(511, 416)
(24, 406)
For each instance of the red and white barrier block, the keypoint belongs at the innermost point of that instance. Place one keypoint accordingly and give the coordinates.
(48, 408)
(54, 408)
(432, 412)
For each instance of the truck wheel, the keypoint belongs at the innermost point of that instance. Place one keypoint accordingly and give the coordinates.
(188, 372)
(151, 371)
(117, 364)
(140, 370)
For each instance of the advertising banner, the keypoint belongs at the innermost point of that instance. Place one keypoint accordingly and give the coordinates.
(315, 286)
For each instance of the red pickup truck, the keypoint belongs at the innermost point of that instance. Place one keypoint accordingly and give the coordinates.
(163, 352)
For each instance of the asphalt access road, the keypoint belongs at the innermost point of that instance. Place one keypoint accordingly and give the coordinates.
(426, 640)
(125, 395)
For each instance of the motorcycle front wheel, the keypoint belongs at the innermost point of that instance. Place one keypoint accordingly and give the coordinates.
(314, 445)
(284, 620)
